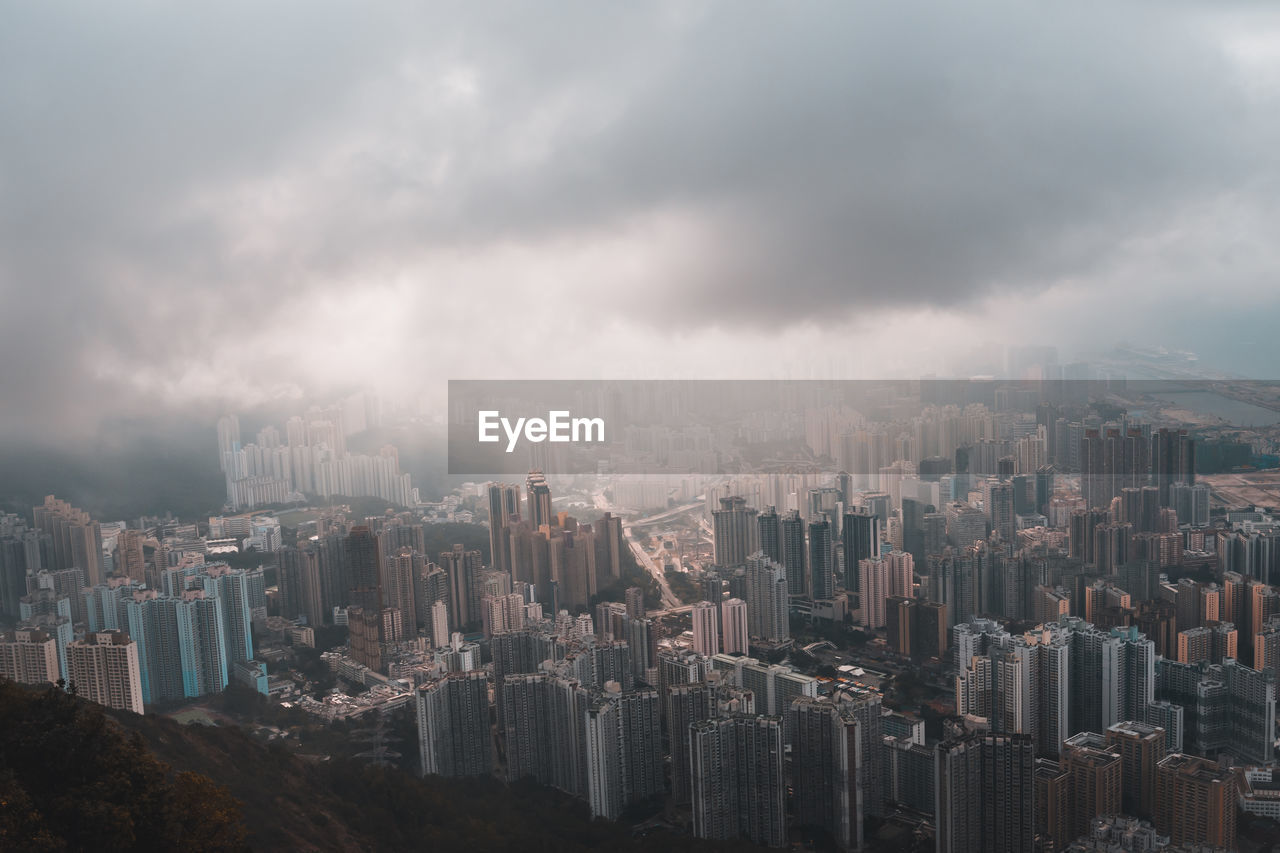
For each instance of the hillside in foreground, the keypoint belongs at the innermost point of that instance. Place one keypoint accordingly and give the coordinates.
(75, 777)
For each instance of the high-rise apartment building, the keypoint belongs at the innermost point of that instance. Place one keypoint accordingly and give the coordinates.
(1141, 747)
(1095, 774)
(733, 626)
(706, 630)
(29, 656)
(104, 668)
(1195, 801)
(826, 762)
(453, 725)
(822, 578)
(985, 794)
(736, 532)
(736, 768)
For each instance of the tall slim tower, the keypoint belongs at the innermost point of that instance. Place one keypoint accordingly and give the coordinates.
(770, 537)
(735, 532)
(791, 529)
(504, 502)
(706, 633)
(539, 499)
(733, 626)
(861, 537)
(821, 570)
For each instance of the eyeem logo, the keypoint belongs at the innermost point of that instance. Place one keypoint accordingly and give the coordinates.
(558, 427)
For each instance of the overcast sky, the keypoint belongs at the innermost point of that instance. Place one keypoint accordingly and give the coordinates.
(214, 204)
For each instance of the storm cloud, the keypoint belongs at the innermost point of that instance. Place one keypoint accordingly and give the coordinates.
(212, 206)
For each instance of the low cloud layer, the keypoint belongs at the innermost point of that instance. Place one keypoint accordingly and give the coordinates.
(215, 206)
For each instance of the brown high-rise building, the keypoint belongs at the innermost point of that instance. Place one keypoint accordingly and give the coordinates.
(1051, 604)
(1263, 603)
(1266, 648)
(898, 625)
(130, 559)
(1141, 747)
(1195, 801)
(104, 668)
(365, 637)
(1194, 645)
(1095, 773)
(1158, 621)
(1053, 805)
(1234, 601)
(364, 568)
(573, 565)
(608, 541)
(931, 638)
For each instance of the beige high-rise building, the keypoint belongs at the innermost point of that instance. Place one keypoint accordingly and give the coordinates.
(29, 656)
(104, 668)
(733, 622)
(77, 539)
(706, 633)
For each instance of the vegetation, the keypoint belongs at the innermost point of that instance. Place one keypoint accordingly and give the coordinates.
(630, 574)
(74, 777)
(684, 589)
(442, 537)
(70, 780)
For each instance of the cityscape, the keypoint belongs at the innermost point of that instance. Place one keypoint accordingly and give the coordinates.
(974, 615)
(692, 426)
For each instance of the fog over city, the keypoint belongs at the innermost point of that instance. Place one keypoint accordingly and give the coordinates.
(206, 208)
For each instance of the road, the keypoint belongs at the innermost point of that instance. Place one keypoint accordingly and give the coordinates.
(669, 598)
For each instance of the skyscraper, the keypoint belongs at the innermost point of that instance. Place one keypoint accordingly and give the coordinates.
(826, 763)
(770, 535)
(733, 626)
(873, 589)
(736, 532)
(985, 794)
(504, 502)
(76, 538)
(767, 599)
(822, 579)
(860, 535)
(538, 500)
(737, 780)
(453, 725)
(706, 631)
(1141, 747)
(231, 588)
(792, 539)
(462, 568)
(364, 568)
